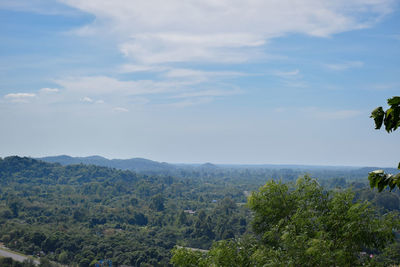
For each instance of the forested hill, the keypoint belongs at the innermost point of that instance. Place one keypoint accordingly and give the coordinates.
(134, 164)
(28, 170)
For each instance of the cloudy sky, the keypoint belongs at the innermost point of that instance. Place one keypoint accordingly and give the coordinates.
(239, 81)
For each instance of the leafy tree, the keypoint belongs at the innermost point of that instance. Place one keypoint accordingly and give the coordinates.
(157, 202)
(46, 263)
(391, 119)
(301, 226)
(14, 204)
(63, 257)
(28, 263)
(182, 218)
(187, 257)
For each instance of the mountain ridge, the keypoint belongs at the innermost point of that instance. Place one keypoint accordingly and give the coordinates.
(133, 164)
(147, 165)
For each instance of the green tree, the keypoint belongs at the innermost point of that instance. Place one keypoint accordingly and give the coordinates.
(391, 119)
(182, 218)
(14, 204)
(46, 263)
(63, 257)
(28, 263)
(302, 225)
(157, 202)
(187, 257)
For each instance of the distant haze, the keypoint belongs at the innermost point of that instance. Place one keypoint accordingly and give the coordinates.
(147, 165)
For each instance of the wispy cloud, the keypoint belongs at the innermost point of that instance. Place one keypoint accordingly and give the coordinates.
(292, 78)
(191, 102)
(104, 85)
(219, 31)
(120, 109)
(345, 65)
(129, 68)
(287, 74)
(199, 74)
(49, 90)
(20, 97)
(87, 99)
(209, 93)
(156, 48)
(384, 86)
(174, 83)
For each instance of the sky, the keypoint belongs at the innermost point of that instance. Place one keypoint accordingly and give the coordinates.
(239, 81)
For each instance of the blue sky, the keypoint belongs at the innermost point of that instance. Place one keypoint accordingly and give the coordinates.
(290, 82)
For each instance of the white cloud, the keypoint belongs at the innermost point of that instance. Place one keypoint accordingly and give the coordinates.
(120, 109)
(185, 73)
(191, 102)
(87, 99)
(119, 92)
(287, 74)
(128, 68)
(49, 90)
(20, 97)
(104, 85)
(345, 65)
(207, 93)
(291, 78)
(156, 31)
(384, 86)
(158, 48)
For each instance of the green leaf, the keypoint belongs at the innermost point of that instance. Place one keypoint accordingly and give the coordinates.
(378, 115)
(395, 118)
(394, 100)
(392, 186)
(388, 121)
(392, 182)
(381, 185)
(396, 179)
(375, 177)
(398, 167)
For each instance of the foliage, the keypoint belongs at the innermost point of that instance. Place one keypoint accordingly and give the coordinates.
(391, 119)
(302, 226)
(9, 262)
(78, 214)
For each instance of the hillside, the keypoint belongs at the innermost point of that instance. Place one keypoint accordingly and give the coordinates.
(83, 213)
(134, 164)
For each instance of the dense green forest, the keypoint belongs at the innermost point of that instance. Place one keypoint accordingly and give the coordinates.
(80, 214)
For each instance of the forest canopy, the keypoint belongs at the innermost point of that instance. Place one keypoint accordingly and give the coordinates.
(303, 225)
